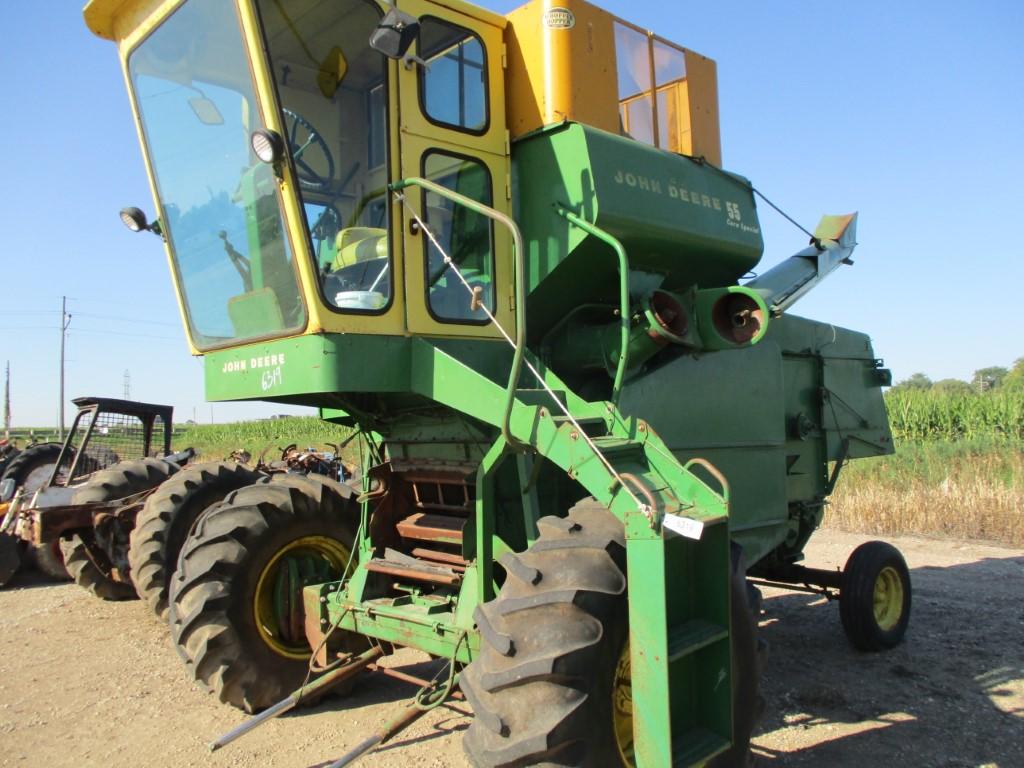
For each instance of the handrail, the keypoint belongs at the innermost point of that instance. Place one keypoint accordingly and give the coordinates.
(520, 276)
(620, 251)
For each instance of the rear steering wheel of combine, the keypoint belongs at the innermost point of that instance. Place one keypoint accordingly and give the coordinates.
(552, 682)
(169, 516)
(874, 599)
(89, 565)
(236, 602)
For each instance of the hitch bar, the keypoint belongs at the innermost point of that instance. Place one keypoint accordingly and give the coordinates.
(321, 684)
(406, 716)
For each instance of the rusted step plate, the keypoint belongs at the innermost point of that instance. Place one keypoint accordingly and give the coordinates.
(423, 526)
(456, 562)
(404, 567)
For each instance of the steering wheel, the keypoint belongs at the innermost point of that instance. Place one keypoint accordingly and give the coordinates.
(302, 137)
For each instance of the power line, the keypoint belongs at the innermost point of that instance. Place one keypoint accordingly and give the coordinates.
(126, 319)
(102, 332)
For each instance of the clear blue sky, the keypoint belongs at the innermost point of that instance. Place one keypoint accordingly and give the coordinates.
(910, 112)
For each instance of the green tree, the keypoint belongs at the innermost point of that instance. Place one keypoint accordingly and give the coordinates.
(916, 381)
(1015, 378)
(985, 379)
(952, 385)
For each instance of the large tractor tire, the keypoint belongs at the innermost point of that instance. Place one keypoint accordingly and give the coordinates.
(31, 468)
(167, 519)
(89, 567)
(548, 686)
(236, 602)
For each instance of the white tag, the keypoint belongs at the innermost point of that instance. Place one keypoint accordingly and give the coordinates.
(684, 526)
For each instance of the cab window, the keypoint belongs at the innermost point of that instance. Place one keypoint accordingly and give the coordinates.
(220, 207)
(466, 237)
(453, 85)
(332, 88)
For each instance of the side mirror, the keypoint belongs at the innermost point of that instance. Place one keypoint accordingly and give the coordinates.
(395, 34)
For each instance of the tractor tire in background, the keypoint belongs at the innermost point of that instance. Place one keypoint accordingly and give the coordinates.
(547, 685)
(236, 602)
(168, 518)
(31, 468)
(49, 560)
(6, 460)
(89, 569)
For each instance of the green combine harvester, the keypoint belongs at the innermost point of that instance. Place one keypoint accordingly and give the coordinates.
(502, 252)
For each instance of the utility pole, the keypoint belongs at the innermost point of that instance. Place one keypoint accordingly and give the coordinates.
(7, 401)
(127, 385)
(65, 321)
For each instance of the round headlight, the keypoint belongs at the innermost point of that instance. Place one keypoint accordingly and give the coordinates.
(134, 219)
(267, 145)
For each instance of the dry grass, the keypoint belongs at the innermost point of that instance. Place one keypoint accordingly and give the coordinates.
(972, 490)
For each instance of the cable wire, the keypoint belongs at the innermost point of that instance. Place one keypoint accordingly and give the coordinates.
(645, 509)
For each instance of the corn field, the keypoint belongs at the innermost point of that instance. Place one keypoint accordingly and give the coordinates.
(928, 414)
(216, 441)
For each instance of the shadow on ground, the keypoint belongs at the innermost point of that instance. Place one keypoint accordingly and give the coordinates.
(951, 695)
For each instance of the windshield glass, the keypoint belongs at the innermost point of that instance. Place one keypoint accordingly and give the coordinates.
(221, 213)
(333, 92)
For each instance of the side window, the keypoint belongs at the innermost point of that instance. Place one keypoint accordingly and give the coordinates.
(466, 237)
(453, 85)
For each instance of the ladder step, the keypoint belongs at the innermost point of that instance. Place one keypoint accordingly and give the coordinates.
(692, 636)
(423, 526)
(540, 397)
(696, 746)
(405, 567)
(618, 446)
(456, 562)
(593, 426)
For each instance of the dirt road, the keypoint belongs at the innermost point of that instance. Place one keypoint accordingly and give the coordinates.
(87, 683)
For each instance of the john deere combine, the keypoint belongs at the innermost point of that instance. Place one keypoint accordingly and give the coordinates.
(503, 250)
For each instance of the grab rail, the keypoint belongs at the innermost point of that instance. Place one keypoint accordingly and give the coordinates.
(520, 277)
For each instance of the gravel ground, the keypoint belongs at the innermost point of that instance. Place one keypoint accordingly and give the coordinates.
(88, 683)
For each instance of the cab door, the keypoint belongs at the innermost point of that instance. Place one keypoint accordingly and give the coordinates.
(452, 131)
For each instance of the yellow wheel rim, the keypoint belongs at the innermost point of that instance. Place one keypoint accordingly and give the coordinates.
(622, 707)
(277, 604)
(888, 598)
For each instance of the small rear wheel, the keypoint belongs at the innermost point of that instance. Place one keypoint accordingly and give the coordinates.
(874, 600)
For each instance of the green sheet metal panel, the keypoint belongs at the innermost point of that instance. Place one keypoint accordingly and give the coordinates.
(308, 369)
(729, 408)
(849, 396)
(684, 222)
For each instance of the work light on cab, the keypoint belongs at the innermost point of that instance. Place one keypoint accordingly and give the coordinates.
(268, 146)
(136, 221)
